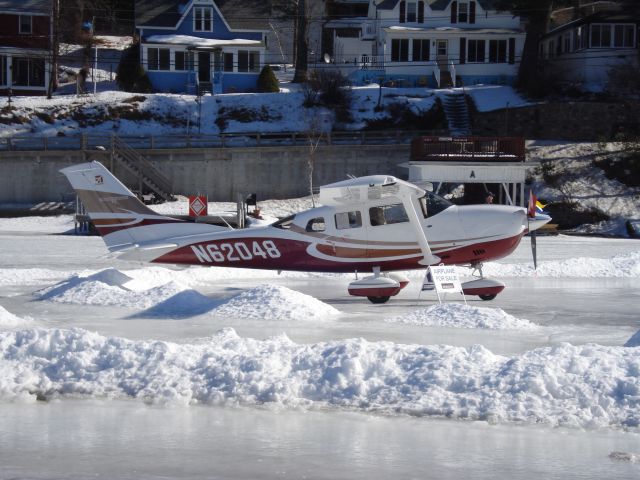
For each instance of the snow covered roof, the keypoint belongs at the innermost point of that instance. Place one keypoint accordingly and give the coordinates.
(397, 28)
(200, 42)
(25, 6)
(239, 14)
(434, 4)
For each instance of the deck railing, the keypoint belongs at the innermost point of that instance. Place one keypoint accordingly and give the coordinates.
(225, 140)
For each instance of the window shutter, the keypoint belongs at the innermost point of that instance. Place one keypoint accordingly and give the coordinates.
(420, 11)
(463, 50)
(454, 12)
(472, 12)
(403, 7)
(512, 50)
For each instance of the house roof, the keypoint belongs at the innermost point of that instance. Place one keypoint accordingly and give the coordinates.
(26, 6)
(434, 4)
(239, 14)
(599, 17)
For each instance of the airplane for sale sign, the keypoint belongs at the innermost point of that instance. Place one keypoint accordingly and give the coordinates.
(197, 205)
(446, 279)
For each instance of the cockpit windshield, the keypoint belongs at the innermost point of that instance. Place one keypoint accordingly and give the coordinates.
(433, 204)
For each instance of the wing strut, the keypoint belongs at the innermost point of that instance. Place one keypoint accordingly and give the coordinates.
(412, 206)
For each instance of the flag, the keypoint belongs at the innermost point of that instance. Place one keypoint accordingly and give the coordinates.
(539, 207)
(531, 210)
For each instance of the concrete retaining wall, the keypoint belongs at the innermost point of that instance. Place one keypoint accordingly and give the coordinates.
(223, 173)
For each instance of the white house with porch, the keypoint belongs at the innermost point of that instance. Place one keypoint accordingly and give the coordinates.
(435, 43)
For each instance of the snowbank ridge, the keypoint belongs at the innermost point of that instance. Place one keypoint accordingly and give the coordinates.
(458, 315)
(583, 386)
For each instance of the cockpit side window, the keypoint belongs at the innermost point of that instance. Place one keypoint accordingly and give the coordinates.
(315, 225)
(387, 215)
(433, 204)
(285, 223)
(348, 220)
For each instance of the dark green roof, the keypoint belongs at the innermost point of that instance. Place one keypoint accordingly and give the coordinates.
(239, 14)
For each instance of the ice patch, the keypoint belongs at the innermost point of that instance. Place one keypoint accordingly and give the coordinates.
(9, 320)
(458, 315)
(634, 341)
(625, 457)
(275, 302)
(583, 386)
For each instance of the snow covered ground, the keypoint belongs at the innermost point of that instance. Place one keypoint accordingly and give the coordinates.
(227, 373)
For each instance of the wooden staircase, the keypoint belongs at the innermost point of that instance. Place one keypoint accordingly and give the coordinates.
(148, 176)
(457, 113)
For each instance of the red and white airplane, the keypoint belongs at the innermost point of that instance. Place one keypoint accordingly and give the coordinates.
(376, 224)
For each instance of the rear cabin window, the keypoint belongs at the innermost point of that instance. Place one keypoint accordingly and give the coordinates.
(315, 225)
(387, 215)
(348, 220)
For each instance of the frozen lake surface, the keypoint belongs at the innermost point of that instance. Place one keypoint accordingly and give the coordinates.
(153, 383)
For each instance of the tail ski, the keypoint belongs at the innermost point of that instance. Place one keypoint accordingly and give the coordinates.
(123, 221)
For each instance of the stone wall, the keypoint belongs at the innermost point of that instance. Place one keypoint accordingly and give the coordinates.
(221, 173)
(579, 121)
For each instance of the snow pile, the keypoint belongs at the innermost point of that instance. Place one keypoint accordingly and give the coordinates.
(458, 315)
(582, 386)
(108, 287)
(634, 341)
(495, 97)
(275, 302)
(173, 298)
(620, 266)
(9, 320)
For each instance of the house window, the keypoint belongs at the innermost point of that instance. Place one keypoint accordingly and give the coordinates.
(228, 61)
(421, 50)
(28, 72)
(463, 12)
(498, 51)
(348, 220)
(3, 70)
(623, 36)
(600, 36)
(254, 61)
(180, 61)
(400, 50)
(158, 59)
(567, 42)
(243, 61)
(475, 51)
(202, 19)
(26, 25)
(412, 12)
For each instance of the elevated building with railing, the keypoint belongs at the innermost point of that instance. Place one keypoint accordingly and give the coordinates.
(434, 43)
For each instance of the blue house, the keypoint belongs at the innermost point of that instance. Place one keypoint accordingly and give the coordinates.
(192, 46)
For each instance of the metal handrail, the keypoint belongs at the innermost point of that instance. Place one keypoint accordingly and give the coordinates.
(223, 140)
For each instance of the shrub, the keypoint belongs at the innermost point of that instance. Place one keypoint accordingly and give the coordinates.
(267, 81)
(331, 89)
(131, 77)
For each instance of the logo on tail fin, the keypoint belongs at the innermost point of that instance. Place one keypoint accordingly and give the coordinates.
(99, 180)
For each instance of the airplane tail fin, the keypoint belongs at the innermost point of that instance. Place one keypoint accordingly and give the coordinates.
(120, 217)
